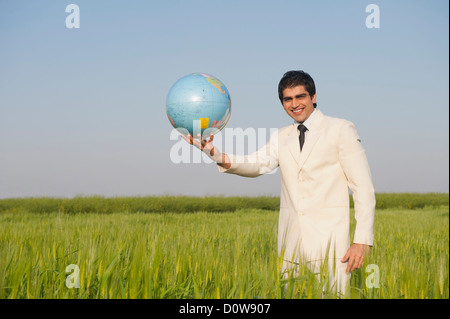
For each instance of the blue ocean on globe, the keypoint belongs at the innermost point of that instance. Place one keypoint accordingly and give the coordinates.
(198, 103)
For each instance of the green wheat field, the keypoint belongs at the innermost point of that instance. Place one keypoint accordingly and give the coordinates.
(209, 247)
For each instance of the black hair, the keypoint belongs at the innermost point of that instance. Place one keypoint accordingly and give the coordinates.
(295, 78)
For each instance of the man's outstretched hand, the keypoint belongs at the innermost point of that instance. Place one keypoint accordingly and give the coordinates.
(204, 145)
(208, 148)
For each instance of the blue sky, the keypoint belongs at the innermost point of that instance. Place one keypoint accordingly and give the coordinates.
(82, 111)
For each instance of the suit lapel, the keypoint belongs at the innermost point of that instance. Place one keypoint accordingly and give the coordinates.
(293, 144)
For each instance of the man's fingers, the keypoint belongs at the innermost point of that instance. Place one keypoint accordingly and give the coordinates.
(199, 142)
(349, 265)
(191, 139)
(196, 142)
(345, 257)
(360, 263)
(186, 138)
(355, 262)
(352, 263)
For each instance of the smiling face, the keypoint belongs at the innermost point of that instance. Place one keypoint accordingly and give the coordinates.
(297, 103)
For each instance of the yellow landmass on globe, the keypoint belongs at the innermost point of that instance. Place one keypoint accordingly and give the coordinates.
(203, 122)
(216, 84)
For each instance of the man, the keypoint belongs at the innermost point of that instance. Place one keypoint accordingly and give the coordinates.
(320, 158)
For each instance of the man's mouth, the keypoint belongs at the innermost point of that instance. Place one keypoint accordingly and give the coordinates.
(297, 111)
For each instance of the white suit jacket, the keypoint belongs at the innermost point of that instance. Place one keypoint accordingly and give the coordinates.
(314, 201)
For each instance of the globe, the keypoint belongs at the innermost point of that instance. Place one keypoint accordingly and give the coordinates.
(198, 103)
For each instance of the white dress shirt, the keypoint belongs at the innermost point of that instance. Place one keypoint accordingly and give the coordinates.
(308, 123)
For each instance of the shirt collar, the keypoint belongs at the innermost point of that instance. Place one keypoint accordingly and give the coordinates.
(308, 122)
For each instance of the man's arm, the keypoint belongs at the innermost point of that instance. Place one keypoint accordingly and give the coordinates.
(355, 165)
(261, 162)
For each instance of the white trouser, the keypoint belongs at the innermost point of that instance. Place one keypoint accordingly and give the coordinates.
(338, 279)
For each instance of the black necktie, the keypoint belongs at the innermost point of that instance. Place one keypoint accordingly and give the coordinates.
(301, 138)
